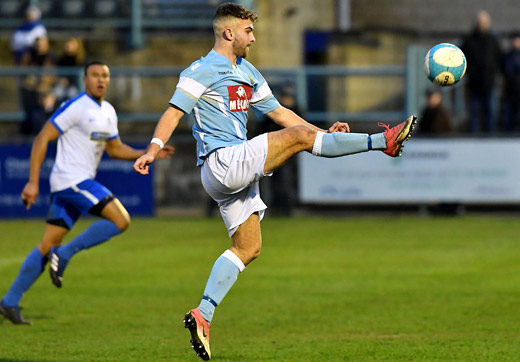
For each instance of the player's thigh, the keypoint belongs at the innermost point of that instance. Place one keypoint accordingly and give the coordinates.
(284, 144)
(247, 239)
(117, 213)
(230, 170)
(52, 236)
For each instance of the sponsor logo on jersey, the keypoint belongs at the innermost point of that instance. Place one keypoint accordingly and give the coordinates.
(239, 97)
(99, 136)
(226, 72)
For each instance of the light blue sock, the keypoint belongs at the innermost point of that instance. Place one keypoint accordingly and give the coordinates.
(222, 277)
(30, 271)
(340, 144)
(98, 232)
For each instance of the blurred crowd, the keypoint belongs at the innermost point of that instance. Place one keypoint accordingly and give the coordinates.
(492, 86)
(492, 80)
(40, 95)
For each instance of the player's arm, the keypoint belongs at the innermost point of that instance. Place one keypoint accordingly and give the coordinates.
(163, 131)
(31, 190)
(117, 149)
(284, 117)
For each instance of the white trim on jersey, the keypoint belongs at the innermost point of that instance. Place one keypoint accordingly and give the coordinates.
(263, 92)
(237, 128)
(215, 96)
(199, 123)
(191, 86)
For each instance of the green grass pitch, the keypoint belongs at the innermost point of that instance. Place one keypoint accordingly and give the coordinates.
(340, 289)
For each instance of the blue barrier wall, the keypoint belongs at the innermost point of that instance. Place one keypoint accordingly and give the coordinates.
(135, 191)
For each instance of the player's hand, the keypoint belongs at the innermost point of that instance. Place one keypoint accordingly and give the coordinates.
(29, 194)
(165, 152)
(143, 163)
(339, 127)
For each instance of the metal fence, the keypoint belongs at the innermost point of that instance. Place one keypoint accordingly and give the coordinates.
(323, 93)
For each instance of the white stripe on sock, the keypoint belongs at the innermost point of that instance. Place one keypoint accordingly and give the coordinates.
(228, 254)
(316, 147)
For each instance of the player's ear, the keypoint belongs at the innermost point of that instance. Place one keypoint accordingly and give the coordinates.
(228, 34)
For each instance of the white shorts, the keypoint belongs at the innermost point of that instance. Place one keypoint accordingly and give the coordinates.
(230, 176)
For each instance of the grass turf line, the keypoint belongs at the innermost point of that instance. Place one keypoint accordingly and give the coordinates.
(404, 289)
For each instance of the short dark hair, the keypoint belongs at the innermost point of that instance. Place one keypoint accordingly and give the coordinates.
(236, 11)
(94, 62)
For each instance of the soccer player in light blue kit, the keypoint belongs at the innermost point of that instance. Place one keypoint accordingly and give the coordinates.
(85, 127)
(217, 92)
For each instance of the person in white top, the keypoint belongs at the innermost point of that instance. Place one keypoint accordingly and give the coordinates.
(26, 34)
(85, 127)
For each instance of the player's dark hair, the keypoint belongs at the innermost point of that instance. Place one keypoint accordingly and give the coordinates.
(236, 11)
(94, 62)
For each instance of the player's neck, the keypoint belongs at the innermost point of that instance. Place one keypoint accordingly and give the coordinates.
(227, 52)
(99, 100)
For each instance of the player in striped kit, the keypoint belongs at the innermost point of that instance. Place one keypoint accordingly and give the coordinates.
(85, 127)
(217, 91)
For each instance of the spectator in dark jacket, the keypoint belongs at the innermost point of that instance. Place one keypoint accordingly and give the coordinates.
(435, 119)
(484, 59)
(512, 85)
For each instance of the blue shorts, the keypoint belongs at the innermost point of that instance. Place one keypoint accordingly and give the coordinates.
(67, 205)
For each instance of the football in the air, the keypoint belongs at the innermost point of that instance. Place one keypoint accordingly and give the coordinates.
(445, 64)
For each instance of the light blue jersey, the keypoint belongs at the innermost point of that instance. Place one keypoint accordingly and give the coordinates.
(217, 95)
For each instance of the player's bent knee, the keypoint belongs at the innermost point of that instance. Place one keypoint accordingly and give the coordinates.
(123, 223)
(302, 136)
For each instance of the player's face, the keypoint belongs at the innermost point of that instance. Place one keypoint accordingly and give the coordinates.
(97, 81)
(244, 38)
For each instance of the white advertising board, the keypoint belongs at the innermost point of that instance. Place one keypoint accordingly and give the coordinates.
(430, 170)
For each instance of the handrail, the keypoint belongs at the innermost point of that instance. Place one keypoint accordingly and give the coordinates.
(299, 76)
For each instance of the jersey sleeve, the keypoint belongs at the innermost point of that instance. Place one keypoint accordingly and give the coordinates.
(65, 117)
(193, 82)
(262, 100)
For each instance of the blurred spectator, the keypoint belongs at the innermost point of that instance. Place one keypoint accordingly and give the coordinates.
(46, 105)
(73, 55)
(484, 59)
(435, 118)
(280, 189)
(32, 86)
(39, 54)
(26, 34)
(512, 85)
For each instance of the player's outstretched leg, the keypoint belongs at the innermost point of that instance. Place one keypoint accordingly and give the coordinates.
(339, 144)
(12, 313)
(396, 136)
(199, 330)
